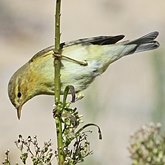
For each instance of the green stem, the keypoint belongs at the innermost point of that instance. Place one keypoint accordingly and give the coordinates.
(57, 51)
(57, 84)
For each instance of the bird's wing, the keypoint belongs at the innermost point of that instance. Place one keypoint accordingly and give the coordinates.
(101, 40)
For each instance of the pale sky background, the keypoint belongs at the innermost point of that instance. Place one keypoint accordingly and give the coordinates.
(120, 101)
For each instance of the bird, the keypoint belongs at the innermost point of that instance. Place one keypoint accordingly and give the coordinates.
(82, 61)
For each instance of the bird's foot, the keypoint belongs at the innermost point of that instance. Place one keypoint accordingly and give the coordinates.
(79, 96)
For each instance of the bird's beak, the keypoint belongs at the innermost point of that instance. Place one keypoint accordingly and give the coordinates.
(19, 112)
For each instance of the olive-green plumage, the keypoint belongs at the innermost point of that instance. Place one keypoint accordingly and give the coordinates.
(36, 77)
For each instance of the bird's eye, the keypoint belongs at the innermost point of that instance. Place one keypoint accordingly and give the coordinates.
(19, 94)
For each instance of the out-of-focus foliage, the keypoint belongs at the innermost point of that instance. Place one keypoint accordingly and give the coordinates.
(147, 146)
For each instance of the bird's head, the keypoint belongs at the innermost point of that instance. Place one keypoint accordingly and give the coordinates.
(18, 89)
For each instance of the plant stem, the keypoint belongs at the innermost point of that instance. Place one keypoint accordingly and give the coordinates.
(57, 83)
(57, 52)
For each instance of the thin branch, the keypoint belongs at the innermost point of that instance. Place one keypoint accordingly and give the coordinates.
(57, 83)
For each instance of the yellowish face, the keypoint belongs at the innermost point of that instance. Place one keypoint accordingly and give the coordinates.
(15, 94)
(17, 90)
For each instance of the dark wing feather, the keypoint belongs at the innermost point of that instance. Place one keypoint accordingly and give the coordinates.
(101, 40)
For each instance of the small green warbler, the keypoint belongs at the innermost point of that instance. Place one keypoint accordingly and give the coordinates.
(36, 77)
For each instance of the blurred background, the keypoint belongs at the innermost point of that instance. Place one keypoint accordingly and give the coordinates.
(128, 95)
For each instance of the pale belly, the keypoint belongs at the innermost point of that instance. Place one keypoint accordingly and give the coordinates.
(79, 76)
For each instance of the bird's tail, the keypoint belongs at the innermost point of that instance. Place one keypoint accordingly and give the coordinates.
(145, 43)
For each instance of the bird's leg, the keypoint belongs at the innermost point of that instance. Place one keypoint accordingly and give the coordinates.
(83, 63)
